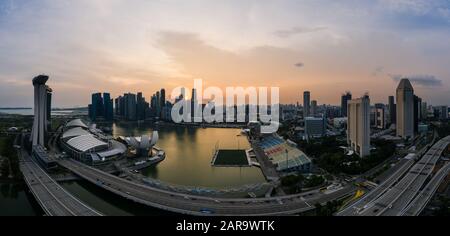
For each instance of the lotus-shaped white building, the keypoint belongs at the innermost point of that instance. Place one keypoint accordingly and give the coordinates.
(142, 144)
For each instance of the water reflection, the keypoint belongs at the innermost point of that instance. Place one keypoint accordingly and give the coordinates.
(15, 200)
(189, 155)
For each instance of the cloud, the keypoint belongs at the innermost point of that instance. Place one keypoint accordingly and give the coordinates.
(421, 80)
(113, 45)
(378, 71)
(416, 6)
(256, 66)
(300, 65)
(297, 30)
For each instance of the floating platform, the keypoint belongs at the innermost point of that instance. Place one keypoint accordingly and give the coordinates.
(231, 158)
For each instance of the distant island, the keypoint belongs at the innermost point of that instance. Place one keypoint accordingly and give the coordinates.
(70, 109)
(15, 108)
(53, 109)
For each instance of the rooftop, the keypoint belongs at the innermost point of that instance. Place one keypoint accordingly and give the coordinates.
(41, 79)
(78, 131)
(86, 143)
(405, 84)
(76, 123)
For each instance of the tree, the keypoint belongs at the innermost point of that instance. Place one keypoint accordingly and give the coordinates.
(314, 181)
(4, 169)
(328, 210)
(444, 207)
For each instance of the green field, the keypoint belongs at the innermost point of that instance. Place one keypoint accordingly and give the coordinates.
(231, 158)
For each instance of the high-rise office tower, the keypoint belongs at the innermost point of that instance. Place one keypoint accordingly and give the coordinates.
(313, 108)
(344, 103)
(108, 106)
(163, 98)
(306, 104)
(379, 116)
(122, 106)
(140, 107)
(130, 106)
(49, 109)
(194, 102)
(117, 106)
(315, 127)
(158, 104)
(442, 112)
(405, 109)
(419, 108)
(358, 125)
(424, 110)
(42, 105)
(392, 110)
(416, 117)
(97, 107)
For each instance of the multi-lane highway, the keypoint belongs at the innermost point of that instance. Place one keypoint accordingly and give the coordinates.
(422, 199)
(355, 208)
(54, 200)
(197, 205)
(395, 195)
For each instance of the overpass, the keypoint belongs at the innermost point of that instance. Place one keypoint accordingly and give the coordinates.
(199, 205)
(54, 200)
(402, 191)
(424, 197)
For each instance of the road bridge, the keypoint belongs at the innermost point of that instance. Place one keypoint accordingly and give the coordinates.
(54, 200)
(200, 205)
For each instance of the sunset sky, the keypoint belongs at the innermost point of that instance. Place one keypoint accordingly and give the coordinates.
(325, 46)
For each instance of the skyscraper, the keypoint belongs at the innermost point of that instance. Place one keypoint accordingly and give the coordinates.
(140, 109)
(344, 103)
(42, 105)
(313, 108)
(117, 106)
(158, 104)
(97, 107)
(416, 118)
(194, 103)
(108, 106)
(358, 125)
(405, 109)
(424, 110)
(442, 112)
(163, 98)
(122, 106)
(315, 127)
(392, 110)
(419, 109)
(49, 109)
(379, 116)
(306, 103)
(130, 106)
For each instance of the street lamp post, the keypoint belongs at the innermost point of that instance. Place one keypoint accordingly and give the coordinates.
(287, 159)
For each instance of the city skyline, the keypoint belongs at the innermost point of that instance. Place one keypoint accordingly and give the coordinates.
(357, 46)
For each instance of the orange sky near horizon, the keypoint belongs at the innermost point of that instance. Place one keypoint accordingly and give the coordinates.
(326, 47)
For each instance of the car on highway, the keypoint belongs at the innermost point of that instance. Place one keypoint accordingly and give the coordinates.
(206, 211)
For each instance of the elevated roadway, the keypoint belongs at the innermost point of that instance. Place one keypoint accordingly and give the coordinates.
(54, 200)
(393, 196)
(424, 197)
(199, 205)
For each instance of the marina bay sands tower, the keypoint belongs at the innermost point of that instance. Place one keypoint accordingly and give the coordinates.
(42, 110)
